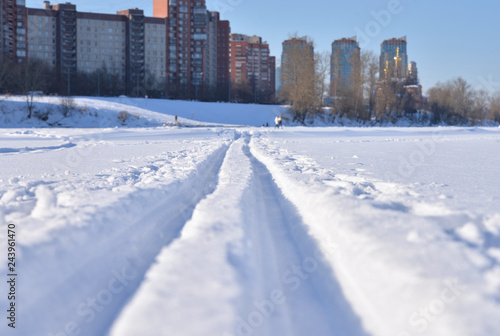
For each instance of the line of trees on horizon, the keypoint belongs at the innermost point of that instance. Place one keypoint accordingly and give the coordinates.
(106, 82)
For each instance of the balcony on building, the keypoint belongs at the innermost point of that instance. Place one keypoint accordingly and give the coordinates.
(68, 14)
(199, 37)
(70, 43)
(199, 17)
(137, 54)
(200, 10)
(137, 19)
(137, 26)
(137, 47)
(68, 49)
(68, 22)
(138, 35)
(69, 58)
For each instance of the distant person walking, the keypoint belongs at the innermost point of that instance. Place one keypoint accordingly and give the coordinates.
(278, 121)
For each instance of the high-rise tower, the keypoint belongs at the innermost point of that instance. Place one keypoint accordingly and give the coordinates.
(345, 64)
(393, 58)
(187, 36)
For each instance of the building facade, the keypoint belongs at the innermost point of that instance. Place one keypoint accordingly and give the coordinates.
(412, 73)
(345, 65)
(217, 79)
(252, 67)
(13, 19)
(41, 35)
(187, 38)
(394, 59)
(296, 50)
(182, 51)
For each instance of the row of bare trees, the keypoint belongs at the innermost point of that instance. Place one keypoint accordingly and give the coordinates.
(456, 101)
(35, 75)
(25, 78)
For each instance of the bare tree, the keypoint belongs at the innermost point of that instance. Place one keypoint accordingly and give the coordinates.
(480, 101)
(494, 110)
(322, 73)
(31, 78)
(370, 78)
(452, 102)
(5, 73)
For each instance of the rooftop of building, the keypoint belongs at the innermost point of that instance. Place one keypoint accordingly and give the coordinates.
(301, 40)
(346, 40)
(401, 40)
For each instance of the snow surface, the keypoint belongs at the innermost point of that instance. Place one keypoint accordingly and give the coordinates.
(251, 231)
(142, 112)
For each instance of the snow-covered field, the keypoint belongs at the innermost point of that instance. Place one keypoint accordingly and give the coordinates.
(132, 112)
(223, 231)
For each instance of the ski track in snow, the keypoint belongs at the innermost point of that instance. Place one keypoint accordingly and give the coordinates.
(275, 282)
(250, 237)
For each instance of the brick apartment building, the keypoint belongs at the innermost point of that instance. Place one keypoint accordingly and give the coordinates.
(183, 50)
(296, 49)
(187, 41)
(13, 18)
(218, 59)
(252, 68)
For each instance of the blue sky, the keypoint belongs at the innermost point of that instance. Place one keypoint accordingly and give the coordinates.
(446, 38)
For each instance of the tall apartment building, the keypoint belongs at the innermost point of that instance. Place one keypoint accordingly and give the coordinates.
(217, 59)
(127, 44)
(41, 35)
(252, 65)
(187, 36)
(394, 59)
(13, 18)
(101, 43)
(345, 64)
(296, 50)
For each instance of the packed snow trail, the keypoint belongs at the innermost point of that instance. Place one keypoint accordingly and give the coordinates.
(106, 259)
(127, 251)
(244, 264)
